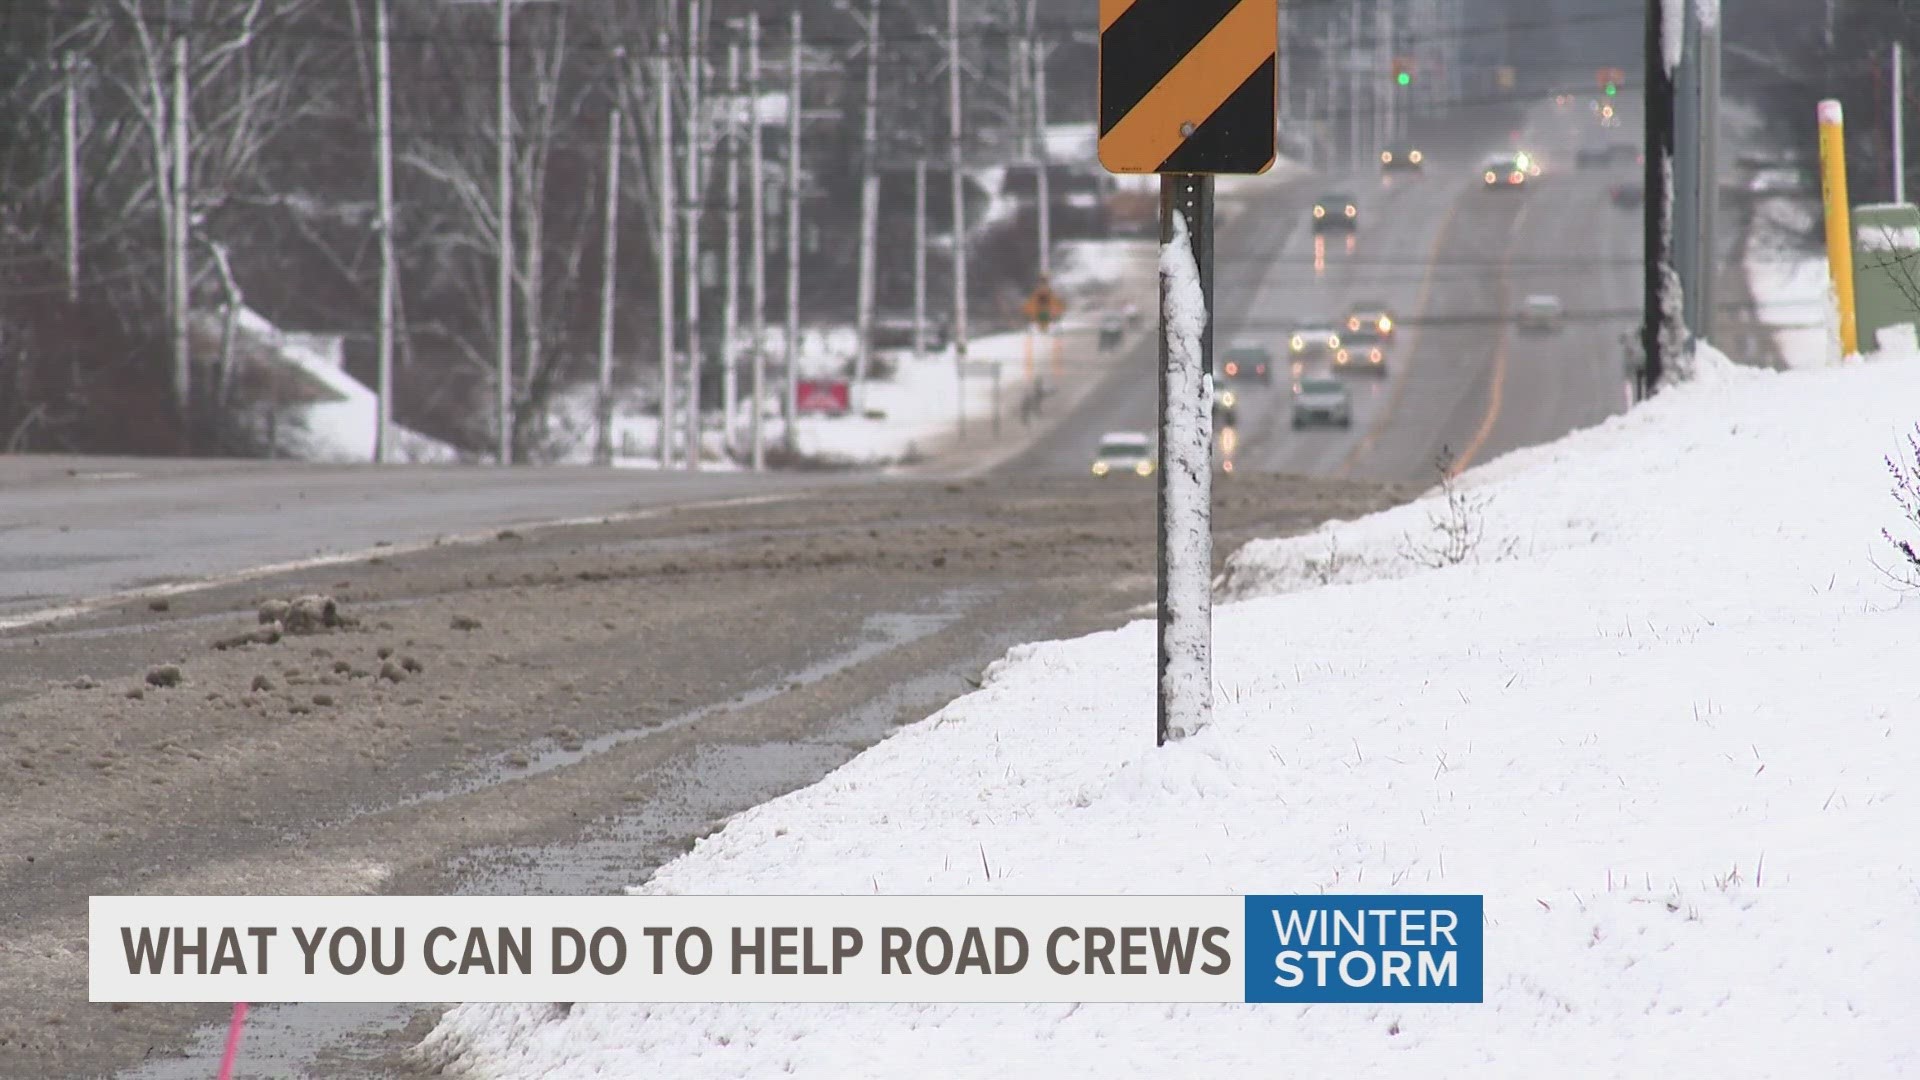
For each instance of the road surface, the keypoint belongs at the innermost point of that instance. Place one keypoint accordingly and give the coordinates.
(1453, 261)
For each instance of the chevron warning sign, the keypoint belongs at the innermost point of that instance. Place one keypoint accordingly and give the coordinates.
(1187, 86)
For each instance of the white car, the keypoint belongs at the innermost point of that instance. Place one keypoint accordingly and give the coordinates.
(1541, 312)
(1125, 453)
(1322, 400)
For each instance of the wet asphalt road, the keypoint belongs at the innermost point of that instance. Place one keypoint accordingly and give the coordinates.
(628, 687)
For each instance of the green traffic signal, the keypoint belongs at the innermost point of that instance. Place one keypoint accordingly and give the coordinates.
(1406, 79)
(1612, 90)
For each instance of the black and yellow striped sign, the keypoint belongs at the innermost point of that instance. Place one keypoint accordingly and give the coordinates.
(1187, 86)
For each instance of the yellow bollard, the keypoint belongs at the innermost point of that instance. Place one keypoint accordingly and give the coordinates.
(1833, 191)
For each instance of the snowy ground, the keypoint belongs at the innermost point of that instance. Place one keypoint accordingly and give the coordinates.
(921, 401)
(1789, 282)
(1661, 717)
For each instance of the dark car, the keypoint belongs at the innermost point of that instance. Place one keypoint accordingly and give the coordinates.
(1593, 157)
(1336, 211)
(1247, 361)
(1402, 159)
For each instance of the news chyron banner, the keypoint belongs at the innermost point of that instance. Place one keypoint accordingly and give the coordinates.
(1281, 949)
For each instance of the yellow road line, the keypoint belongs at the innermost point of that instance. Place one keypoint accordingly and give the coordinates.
(1400, 368)
(1497, 392)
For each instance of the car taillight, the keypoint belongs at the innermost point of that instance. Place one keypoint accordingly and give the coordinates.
(1516, 177)
(1261, 370)
(1233, 369)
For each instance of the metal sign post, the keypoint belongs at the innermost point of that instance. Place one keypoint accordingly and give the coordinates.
(1187, 91)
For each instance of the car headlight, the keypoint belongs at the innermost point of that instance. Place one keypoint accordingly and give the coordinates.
(1386, 324)
(1340, 357)
(1100, 468)
(1386, 157)
(1227, 399)
(1351, 211)
(1374, 356)
(1490, 177)
(1333, 341)
(1297, 343)
(1145, 468)
(1319, 211)
(1353, 323)
(1414, 157)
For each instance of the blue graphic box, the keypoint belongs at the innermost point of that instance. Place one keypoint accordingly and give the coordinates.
(1349, 948)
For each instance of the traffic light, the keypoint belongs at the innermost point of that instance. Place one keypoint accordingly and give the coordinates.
(1612, 88)
(1402, 71)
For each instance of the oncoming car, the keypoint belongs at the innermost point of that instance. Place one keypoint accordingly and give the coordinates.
(1313, 343)
(1127, 453)
(1321, 400)
(1402, 159)
(1370, 318)
(1541, 313)
(1336, 211)
(1503, 172)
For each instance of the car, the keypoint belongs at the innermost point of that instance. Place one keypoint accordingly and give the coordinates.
(1366, 354)
(1541, 313)
(1402, 159)
(1628, 196)
(1336, 211)
(1503, 172)
(1112, 329)
(1593, 157)
(1124, 453)
(1370, 318)
(1246, 361)
(1313, 345)
(1318, 399)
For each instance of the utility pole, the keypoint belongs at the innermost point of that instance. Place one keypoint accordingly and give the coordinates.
(793, 242)
(383, 109)
(1899, 124)
(70, 144)
(696, 148)
(1383, 48)
(869, 212)
(182, 238)
(603, 444)
(504, 28)
(1043, 181)
(667, 253)
(1709, 192)
(758, 201)
(1286, 73)
(730, 324)
(1687, 135)
(957, 126)
(1658, 332)
(920, 259)
(1353, 85)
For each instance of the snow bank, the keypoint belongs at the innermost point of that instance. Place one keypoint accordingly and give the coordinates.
(1792, 290)
(341, 430)
(1662, 719)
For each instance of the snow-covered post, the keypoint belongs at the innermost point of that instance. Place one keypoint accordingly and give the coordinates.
(1186, 468)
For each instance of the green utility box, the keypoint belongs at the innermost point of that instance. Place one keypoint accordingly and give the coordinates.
(1886, 269)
